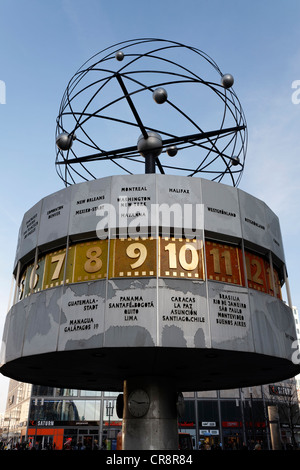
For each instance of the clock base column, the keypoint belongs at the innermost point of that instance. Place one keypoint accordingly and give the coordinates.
(149, 414)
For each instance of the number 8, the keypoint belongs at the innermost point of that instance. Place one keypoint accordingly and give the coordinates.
(93, 263)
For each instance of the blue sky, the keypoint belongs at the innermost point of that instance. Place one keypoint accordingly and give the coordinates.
(43, 43)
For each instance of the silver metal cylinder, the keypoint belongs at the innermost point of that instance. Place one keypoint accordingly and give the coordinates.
(274, 427)
(157, 429)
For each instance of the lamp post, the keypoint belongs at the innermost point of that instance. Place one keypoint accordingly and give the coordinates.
(109, 413)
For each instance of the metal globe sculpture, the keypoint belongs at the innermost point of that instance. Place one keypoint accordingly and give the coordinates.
(195, 114)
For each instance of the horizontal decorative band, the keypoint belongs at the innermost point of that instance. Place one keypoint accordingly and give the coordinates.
(150, 257)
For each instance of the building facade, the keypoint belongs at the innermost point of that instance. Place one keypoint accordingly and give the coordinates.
(297, 325)
(56, 418)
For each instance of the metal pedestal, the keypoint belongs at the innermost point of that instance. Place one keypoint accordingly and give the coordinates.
(274, 427)
(158, 428)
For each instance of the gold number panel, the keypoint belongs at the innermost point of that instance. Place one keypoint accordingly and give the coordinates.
(181, 258)
(260, 276)
(56, 268)
(133, 257)
(32, 279)
(91, 261)
(224, 263)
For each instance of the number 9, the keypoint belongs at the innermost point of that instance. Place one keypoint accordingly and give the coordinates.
(137, 250)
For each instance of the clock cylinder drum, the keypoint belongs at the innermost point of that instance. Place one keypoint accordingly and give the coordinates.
(167, 273)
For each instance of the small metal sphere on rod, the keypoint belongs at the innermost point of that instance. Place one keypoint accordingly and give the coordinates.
(160, 95)
(119, 56)
(64, 141)
(172, 151)
(227, 80)
(235, 161)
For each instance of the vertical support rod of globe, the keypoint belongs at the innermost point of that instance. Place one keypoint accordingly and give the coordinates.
(158, 428)
(150, 164)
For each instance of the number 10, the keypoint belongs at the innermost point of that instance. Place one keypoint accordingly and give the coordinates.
(187, 265)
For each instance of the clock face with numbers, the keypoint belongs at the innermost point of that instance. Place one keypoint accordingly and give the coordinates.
(138, 403)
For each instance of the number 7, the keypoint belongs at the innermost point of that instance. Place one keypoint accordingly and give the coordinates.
(59, 259)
